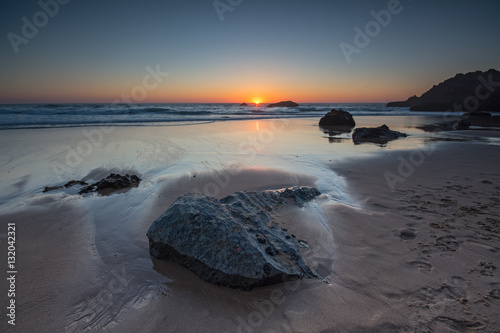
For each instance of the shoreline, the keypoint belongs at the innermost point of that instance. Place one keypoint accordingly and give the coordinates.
(86, 262)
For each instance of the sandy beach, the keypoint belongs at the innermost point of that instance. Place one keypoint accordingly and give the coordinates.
(406, 234)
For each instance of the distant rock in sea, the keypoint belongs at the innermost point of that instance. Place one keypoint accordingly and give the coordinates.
(338, 120)
(283, 104)
(233, 241)
(379, 135)
(243, 104)
(474, 92)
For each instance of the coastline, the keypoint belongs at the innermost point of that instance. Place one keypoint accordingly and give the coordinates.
(84, 262)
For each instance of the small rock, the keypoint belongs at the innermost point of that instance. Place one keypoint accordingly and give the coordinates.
(283, 104)
(339, 119)
(112, 183)
(380, 135)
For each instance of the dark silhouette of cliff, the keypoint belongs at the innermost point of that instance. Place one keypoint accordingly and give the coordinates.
(472, 92)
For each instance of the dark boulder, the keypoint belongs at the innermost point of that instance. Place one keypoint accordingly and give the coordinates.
(283, 104)
(460, 125)
(380, 135)
(112, 183)
(233, 241)
(339, 120)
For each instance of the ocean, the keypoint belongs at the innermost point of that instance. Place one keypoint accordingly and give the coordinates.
(19, 116)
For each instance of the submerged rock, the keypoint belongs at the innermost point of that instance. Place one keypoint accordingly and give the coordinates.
(380, 135)
(283, 104)
(340, 120)
(233, 241)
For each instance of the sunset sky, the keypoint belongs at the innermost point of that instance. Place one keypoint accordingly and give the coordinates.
(98, 51)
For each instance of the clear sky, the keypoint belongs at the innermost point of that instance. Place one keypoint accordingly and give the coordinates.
(267, 50)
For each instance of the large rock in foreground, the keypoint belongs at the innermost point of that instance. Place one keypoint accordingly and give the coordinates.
(233, 242)
(338, 119)
(289, 104)
(380, 135)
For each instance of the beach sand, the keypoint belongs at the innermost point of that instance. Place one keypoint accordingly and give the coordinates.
(418, 253)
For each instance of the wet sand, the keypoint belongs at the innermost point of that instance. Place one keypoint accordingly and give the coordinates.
(422, 255)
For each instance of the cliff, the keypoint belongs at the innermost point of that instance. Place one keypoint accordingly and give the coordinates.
(472, 92)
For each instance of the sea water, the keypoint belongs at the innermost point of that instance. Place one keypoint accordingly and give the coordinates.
(15, 116)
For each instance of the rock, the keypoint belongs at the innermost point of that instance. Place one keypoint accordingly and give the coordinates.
(460, 125)
(243, 104)
(403, 104)
(75, 182)
(51, 188)
(484, 121)
(233, 241)
(283, 104)
(339, 119)
(453, 94)
(113, 182)
(380, 135)
(69, 184)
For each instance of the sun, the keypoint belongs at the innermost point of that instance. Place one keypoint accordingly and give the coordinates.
(257, 102)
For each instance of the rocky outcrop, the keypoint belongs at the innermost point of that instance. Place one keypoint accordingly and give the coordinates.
(283, 104)
(338, 121)
(477, 90)
(380, 135)
(401, 104)
(233, 241)
(243, 104)
(113, 182)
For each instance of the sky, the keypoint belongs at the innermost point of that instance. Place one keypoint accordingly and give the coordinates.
(232, 51)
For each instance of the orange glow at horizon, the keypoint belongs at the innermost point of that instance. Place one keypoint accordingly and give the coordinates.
(275, 90)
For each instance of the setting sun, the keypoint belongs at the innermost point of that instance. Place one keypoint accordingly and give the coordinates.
(257, 102)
